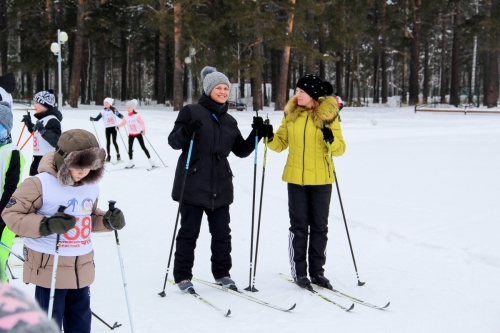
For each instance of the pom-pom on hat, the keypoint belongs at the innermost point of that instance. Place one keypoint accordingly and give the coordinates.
(314, 86)
(109, 100)
(6, 117)
(132, 103)
(45, 98)
(211, 78)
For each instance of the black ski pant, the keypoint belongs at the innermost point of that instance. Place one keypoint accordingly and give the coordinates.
(111, 133)
(34, 165)
(308, 207)
(218, 223)
(131, 145)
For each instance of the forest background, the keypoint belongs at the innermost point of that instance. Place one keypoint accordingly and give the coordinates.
(439, 51)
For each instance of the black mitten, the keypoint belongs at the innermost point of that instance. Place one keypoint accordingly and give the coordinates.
(327, 134)
(193, 126)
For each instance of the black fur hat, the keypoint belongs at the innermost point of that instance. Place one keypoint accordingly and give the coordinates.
(79, 149)
(314, 86)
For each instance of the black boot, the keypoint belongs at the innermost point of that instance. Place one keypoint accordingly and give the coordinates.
(321, 281)
(303, 282)
(108, 158)
(118, 157)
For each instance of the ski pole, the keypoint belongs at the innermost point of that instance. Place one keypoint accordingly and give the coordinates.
(22, 130)
(112, 208)
(343, 214)
(260, 210)
(162, 293)
(54, 271)
(250, 287)
(10, 271)
(123, 141)
(97, 136)
(2, 244)
(28, 139)
(115, 325)
(20, 135)
(144, 135)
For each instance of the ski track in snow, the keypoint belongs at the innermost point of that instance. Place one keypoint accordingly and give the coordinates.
(420, 193)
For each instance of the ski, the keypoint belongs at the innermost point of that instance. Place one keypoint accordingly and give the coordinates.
(243, 295)
(315, 293)
(192, 292)
(152, 168)
(354, 299)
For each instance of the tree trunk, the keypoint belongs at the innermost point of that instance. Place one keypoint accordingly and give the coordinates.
(257, 57)
(455, 58)
(4, 37)
(443, 62)
(76, 68)
(383, 56)
(310, 62)
(283, 66)
(338, 75)
(375, 76)
(162, 55)
(124, 49)
(178, 70)
(415, 55)
(425, 89)
(491, 88)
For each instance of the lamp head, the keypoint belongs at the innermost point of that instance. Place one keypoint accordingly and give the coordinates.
(192, 51)
(187, 60)
(63, 37)
(54, 47)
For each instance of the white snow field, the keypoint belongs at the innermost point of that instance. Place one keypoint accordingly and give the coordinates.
(421, 196)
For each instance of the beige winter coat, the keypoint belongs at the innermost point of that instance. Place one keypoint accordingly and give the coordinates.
(20, 216)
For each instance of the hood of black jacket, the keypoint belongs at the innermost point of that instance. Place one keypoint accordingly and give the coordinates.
(50, 112)
(212, 106)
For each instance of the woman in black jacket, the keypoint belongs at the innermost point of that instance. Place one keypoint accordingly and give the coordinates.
(209, 184)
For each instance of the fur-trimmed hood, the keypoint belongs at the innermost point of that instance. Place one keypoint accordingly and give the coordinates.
(325, 114)
(76, 149)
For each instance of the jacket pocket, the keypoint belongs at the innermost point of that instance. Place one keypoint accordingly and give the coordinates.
(195, 166)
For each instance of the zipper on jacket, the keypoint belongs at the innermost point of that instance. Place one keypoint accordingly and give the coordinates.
(215, 179)
(76, 274)
(328, 166)
(304, 151)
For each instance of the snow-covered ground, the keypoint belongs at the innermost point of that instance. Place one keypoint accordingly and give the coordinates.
(420, 192)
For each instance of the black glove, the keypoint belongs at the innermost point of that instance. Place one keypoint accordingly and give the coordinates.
(59, 223)
(91, 118)
(114, 219)
(327, 134)
(39, 127)
(193, 126)
(267, 131)
(258, 124)
(27, 120)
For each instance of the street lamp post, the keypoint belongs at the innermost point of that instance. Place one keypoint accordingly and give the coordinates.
(62, 37)
(188, 61)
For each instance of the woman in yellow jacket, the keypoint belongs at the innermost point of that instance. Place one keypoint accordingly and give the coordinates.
(310, 122)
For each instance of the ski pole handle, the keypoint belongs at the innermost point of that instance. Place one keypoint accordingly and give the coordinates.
(61, 209)
(111, 205)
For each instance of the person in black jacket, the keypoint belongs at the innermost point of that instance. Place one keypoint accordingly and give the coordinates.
(209, 185)
(47, 130)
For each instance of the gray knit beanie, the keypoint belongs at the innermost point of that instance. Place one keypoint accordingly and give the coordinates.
(6, 117)
(211, 78)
